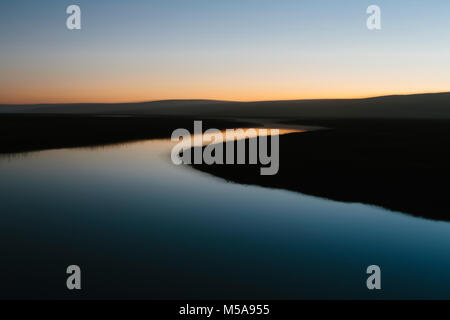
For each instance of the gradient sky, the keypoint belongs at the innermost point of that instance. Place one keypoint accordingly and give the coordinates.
(135, 50)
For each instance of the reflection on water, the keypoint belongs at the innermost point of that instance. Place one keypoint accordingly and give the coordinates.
(140, 226)
(234, 135)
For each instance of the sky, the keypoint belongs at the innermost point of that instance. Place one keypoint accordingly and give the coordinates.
(244, 50)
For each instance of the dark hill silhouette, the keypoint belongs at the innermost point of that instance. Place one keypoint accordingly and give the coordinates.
(417, 106)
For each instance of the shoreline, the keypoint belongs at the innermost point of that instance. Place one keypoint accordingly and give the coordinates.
(398, 165)
(401, 165)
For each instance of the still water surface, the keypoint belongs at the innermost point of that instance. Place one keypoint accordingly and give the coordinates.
(141, 227)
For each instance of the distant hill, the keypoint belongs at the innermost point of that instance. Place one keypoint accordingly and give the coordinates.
(417, 106)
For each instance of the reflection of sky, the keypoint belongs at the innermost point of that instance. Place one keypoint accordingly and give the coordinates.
(242, 50)
(218, 136)
(129, 204)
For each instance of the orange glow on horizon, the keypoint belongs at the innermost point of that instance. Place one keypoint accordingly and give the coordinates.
(111, 82)
(114, 96)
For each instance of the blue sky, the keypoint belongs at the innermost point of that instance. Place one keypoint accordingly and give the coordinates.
(238, 50)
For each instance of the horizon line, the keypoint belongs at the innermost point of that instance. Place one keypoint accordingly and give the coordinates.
(224, 101)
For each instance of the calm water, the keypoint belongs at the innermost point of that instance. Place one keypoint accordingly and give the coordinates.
(140, 227)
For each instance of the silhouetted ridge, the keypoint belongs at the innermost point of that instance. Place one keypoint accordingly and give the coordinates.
(417, 106)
